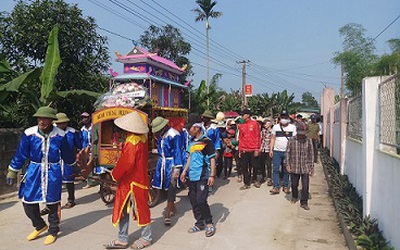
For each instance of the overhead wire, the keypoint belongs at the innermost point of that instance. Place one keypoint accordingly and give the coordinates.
(199, 52)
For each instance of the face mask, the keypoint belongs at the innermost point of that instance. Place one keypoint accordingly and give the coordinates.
(284, 121)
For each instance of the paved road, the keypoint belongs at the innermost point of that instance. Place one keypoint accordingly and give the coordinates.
(249, 219)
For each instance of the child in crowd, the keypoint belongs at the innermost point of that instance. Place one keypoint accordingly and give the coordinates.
(228, 153)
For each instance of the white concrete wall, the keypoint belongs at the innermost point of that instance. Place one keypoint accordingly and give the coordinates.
(385, 202)
(353, 163)
(371, 168)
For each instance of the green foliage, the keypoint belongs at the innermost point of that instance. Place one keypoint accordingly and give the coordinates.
(83, 52)
(357, 56)
(365, 230)
(205, 11)
(51, 63)
(308, 100)
(168, 42)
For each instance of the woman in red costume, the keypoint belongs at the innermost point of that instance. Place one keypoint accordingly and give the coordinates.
(131, 175)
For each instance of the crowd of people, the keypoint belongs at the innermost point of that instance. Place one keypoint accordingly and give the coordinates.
(276, 151)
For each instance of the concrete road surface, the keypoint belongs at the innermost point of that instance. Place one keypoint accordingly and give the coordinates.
(250, 219)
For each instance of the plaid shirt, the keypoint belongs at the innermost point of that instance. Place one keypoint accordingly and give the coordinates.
(265, 139)
(300, 156)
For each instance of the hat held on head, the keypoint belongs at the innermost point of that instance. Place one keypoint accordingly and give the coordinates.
(158, 123)
(208, 114)
(301, 128)
(133, 123)
(46, 112)
(61, 118)
(219, 117)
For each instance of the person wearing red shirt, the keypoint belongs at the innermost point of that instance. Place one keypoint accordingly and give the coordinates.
(249, 147)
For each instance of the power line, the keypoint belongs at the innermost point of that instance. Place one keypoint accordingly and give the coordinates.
(390, 24)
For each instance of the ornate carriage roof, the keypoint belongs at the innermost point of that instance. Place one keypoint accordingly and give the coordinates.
(140, 55)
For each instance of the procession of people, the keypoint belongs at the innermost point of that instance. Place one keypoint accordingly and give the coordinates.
(278, 151)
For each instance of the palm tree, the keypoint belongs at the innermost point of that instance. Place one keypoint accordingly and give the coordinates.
(204, 13)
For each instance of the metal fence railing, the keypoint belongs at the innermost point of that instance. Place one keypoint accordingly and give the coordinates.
(389, 102)
(354, 127)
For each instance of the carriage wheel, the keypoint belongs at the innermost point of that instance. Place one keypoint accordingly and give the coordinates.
(107, 195)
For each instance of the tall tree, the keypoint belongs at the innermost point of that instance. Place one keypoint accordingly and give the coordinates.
(204, 13)
(308, 100)
(48, 91)
(168, 42)
(357, 56)
(199, 96)
(83, 51)
(389, 64)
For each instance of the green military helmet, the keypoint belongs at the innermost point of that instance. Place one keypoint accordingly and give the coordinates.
(158, 123)
(46, 112)
(61, 118)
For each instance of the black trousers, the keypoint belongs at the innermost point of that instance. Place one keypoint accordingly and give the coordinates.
(228, 161)
(198, 193)
(265, 164)
(220, 163)
(71, 191)
(238, 163)
(248, 162)
(315, 147)
(305, 184)
(33, 213)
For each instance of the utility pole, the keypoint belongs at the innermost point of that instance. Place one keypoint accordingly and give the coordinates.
(244, 63)
(341, 81)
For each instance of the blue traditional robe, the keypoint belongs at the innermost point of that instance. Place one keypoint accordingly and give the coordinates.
(42, 181)
(86, 136)
(184, 144)
(170, 151)
(212, 132)
(74, 143)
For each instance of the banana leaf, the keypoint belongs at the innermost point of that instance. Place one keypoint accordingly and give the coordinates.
(15, 84)
(51, 63)
(78, 92)
(5, 67)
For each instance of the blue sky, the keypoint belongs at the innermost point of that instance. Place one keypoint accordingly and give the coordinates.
(289, 43)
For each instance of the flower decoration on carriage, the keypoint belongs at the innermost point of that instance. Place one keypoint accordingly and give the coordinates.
(126, 95)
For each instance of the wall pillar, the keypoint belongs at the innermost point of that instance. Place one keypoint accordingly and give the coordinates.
(343, 132)
(370, 128)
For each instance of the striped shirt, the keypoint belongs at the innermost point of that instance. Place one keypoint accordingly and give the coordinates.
(300, 156)
(265, 139)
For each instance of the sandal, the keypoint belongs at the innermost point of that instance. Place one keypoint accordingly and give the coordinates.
(167, 221)
(140, 244)
(115, 245)
(210, 231)
(194, 229)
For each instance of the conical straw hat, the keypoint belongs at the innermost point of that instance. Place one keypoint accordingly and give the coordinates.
(132, 122)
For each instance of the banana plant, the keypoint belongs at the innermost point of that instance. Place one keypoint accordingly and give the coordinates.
(46, 76)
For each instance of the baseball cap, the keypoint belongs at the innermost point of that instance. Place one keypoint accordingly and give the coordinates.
(192, 119)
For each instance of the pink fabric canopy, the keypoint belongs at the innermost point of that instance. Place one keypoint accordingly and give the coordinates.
(231, 114)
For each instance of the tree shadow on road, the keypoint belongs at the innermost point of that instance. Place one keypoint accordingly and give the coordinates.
(81, 221)
(157, 225)
(6, 205)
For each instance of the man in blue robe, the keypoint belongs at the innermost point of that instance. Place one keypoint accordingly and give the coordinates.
(44, 146)
(169, 163)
